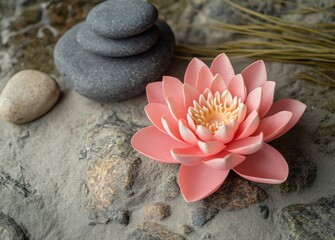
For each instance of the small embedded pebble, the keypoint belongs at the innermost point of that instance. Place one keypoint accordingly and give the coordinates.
(158, 211)
(28, 95)
(24, 135)
(207, 236)
(9, 229)
(265, 211)
(169, 189)
(187, 230)
(201, 215)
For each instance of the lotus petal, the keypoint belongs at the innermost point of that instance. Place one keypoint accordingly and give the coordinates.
(237, 88)
(204, 79)
(155, 144)
(155, 93)
(200, 181)
(204, 134)
(247, 145)
(221, 65)
(218, 84)
(268, 89)
(188, 156)
(291, 105)
(155, 111)
(224, 161)
(225, 133)
(211, 147)
(248, 127)
(187, 134)
(265, 166)
(192, 71)
(177, 111)
(254, 75)
(273, 125)
(242, 114)
(172, 129)
(190, 94)
(206, 92)
(190, 122)
(253, 101)
(173, 87)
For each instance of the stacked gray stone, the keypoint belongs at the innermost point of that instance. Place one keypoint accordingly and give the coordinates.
(120, 48)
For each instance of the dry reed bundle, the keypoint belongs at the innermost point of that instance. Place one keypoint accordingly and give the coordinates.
(274, 39)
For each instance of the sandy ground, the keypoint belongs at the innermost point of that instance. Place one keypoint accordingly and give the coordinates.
(43, 184)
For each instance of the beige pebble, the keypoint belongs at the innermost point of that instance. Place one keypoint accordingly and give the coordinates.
(28, 95)
(157, 211)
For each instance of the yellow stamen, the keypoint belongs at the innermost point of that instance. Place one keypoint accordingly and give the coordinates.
(215, 111)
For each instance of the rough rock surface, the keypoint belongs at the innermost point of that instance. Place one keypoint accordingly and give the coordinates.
(310, 221)
(9, 230)
(169, 189)
(302, 172)
(153, 231)
(112, 169)
(235, 194)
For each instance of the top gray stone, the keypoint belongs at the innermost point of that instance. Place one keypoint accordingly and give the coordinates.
(120, 18)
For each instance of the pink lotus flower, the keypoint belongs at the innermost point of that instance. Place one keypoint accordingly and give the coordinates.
(217, 121)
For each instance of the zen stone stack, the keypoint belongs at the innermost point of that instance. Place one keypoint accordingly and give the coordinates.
(120, 48)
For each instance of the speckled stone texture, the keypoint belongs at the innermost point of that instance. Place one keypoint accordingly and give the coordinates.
(153, 231)
(310, 221)
(122, 18)
(158, 211)
(111, 170)
(110, 79)
(114, 47)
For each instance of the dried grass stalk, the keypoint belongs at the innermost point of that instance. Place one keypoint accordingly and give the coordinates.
(274, 39)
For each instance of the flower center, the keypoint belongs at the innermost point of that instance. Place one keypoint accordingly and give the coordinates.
(215, 111)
